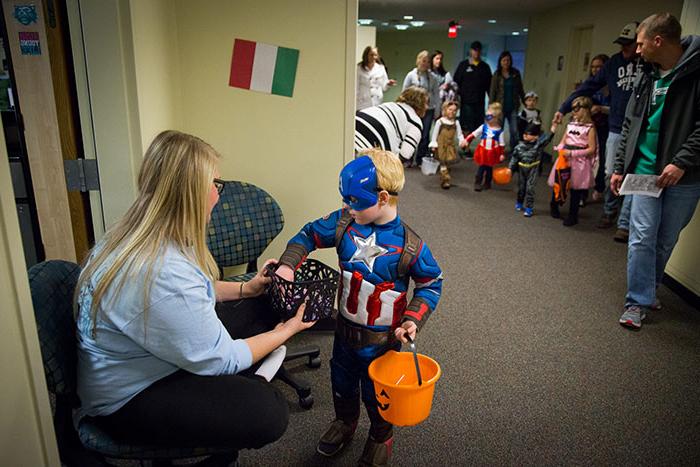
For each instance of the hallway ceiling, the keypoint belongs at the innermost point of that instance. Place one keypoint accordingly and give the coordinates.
(510, 15)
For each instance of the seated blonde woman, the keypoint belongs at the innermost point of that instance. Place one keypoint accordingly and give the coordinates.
(156, 363)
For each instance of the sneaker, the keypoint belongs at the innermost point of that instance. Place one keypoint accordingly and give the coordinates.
(621, 235)
(335, 438)
(632, 317)
(376, 454)
(656, 306)
(605, 222)
(597, 196)
(528, 212)
(518, 206)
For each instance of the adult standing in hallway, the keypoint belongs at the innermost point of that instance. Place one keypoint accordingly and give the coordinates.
(660, 136)
(473, 76)
(600, 112)
(372, 80)
(394, 126)
(618, 74)
(507, 89)
(422, 77)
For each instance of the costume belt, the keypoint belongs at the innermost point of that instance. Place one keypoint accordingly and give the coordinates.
(358, 336)
(528, 166)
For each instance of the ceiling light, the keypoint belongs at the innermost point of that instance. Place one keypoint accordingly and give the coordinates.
(417, 24)
(408, 17)
(364, 22)
(492, 21)
(401, 27)
(385, 24)
(525, 29)
(515, 33)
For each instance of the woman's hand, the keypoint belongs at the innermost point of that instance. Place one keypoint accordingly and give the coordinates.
(408, 327)
(296, 324)
(256, 286)
(391, 82)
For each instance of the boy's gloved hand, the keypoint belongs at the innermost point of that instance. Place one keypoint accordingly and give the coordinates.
(407, 327)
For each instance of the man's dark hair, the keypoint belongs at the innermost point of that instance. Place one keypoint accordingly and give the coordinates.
(661, 24)
(532, 128)
(476, 45)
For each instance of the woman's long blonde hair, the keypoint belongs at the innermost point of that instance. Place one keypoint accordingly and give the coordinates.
(171, 208)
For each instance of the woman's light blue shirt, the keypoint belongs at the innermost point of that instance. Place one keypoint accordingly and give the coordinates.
(136, 346)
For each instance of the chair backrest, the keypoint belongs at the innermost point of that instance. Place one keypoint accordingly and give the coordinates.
(52, 284)
(243, 223)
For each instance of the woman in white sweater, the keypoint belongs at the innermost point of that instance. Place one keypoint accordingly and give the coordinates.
(422, 77)
(372, 80)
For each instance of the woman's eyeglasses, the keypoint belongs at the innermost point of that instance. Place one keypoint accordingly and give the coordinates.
(219, 184)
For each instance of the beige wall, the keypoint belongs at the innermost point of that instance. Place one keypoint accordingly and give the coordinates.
(26, 428)
(684, 265)
(174, 59)
(366, 35)
(156, 66)
(292, 147)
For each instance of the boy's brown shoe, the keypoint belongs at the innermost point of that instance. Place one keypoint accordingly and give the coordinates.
(335, 438)
(376, 454)
(477, 184)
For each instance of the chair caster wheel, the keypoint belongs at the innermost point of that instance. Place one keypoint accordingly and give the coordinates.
(314, 362)
(306, 402)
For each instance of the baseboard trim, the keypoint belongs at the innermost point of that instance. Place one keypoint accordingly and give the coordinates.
(682, 291)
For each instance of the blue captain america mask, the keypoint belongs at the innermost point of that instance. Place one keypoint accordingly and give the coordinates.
(358, 184)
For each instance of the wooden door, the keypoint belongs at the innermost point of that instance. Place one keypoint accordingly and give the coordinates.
(41, 63)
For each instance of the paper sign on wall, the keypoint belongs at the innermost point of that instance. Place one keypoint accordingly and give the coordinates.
(29, 43)
(263, 67)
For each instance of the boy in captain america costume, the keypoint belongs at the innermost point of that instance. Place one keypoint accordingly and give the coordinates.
(378, 255)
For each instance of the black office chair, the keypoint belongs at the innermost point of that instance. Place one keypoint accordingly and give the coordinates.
(243, 223)
(52, 285)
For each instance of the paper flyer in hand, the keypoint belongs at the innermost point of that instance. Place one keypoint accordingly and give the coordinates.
(634, 184)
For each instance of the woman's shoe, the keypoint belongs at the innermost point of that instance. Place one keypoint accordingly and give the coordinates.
(569, 221)
(554, 210)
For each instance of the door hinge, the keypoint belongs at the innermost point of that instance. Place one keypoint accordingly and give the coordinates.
(81, 175)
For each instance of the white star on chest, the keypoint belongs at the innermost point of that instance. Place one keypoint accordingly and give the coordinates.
(367, 250)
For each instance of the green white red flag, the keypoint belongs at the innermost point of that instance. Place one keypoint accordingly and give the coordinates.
(263, 67)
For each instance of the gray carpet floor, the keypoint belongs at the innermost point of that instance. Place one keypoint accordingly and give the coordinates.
(536, 368)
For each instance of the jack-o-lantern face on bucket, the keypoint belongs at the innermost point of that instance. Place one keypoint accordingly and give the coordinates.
(383, 395)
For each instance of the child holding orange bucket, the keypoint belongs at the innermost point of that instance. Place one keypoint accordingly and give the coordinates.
(378, 255)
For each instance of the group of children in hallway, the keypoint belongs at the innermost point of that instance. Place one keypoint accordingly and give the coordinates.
(571, 176)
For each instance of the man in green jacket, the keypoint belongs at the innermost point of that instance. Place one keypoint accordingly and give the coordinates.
(660, 136)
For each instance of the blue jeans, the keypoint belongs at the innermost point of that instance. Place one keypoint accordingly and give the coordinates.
(655, 224)
(513, 136)
(623, 221)
(611, 202)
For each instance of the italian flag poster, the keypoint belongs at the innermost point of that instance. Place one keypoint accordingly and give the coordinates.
(263, 67)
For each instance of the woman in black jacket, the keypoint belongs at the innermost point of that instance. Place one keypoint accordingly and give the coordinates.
(507, 89)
